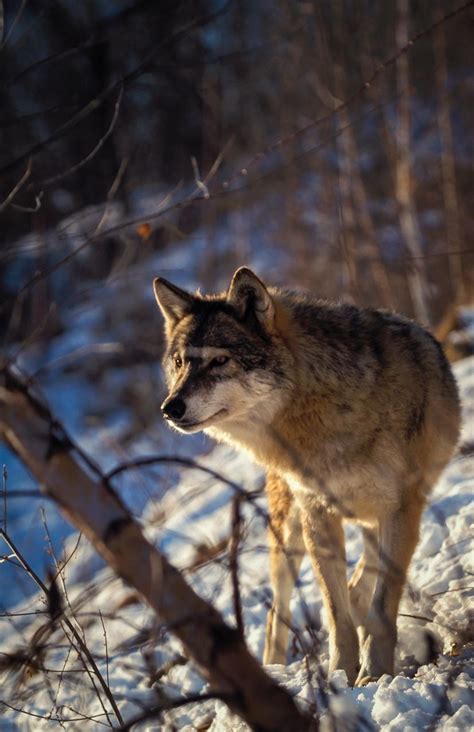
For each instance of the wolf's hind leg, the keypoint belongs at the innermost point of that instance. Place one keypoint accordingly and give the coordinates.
(286, 553)
(362, 582)
(398, 538)
(324, 539)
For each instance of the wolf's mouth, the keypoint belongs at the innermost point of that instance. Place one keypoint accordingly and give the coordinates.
(188, 426)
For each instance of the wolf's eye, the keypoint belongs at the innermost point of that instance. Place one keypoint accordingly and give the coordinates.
(178, 362)
(219, 361)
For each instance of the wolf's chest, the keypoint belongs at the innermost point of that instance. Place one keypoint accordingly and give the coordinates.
(354, 495)
(331, 494)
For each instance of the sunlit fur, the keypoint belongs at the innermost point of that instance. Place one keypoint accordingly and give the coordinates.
(353, 412)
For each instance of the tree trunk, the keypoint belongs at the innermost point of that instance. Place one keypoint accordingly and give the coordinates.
(403, 179)
(453, 230)
(89, 502)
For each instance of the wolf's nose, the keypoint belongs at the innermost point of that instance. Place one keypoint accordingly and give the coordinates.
(174, 409)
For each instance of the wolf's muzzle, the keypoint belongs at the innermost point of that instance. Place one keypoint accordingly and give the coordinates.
(174, 409)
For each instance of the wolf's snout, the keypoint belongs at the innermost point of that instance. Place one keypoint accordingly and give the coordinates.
(174, 409)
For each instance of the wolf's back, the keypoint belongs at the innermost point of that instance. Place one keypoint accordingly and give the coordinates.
(388, 371)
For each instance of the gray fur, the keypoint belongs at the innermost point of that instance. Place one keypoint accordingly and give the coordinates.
(353, 412)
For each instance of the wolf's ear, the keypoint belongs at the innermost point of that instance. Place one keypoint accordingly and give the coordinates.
(248, 294)
(173, 302)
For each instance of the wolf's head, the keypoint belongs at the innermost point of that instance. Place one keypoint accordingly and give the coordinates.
(224, 361)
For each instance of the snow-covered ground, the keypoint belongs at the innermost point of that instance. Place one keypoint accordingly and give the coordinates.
(142, 661)
(102, 319)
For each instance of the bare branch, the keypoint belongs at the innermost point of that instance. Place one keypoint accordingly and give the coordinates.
(164, 208)
(448, 169)
(197, 178)
(18, 186)
(61, 720)
(404, 176)
(100, 98)
(217, 649)
(4, 490)
(16, 20)
(173, 704)
(401, 51)
(93, 152)
(83, 647)
(116, 183)
(234, 562)
(30, 209)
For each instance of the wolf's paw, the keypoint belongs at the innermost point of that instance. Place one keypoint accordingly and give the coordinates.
(376, 659)
(344, 654)
(364, 680)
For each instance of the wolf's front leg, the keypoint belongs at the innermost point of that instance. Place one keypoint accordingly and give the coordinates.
(286, 553)
(362, 582)
(398, 538)
(324, 539)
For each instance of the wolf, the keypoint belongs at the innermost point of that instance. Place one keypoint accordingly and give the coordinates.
(353, 412)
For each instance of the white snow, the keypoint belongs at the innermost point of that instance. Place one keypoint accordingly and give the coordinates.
(432, 688)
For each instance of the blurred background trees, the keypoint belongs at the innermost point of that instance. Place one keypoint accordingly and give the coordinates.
(336, 156)
(326, 143)
(312, 140)
(370, 203)
(330, 142)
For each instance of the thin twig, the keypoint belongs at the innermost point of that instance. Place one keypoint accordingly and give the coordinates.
(82, 718)
(93, 104)
(89, 673)
(95, 149)
(197, 178)
(106, 647)
(78, 353)
(156, 711)
(22, 494)
(29, 209)
(4, 485)
(16, 20)
(29, 570)
(17, 187)
(61, 672)
(116, 183)
(347, 102)
(149, 460)
(236, 533)
(162, 210)
(59, 573)
(217, 647)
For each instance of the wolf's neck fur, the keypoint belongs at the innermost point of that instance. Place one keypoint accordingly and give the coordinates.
(319, 409)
